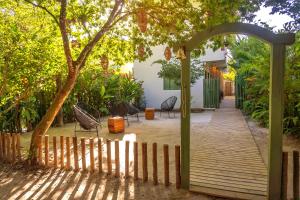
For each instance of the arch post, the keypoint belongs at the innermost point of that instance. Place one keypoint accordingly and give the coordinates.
(185, 120)
(276, 107)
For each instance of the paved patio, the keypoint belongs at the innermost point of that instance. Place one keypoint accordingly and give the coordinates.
(226, 162)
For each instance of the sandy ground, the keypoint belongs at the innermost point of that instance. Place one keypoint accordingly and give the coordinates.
(19, 184)
(60, 184)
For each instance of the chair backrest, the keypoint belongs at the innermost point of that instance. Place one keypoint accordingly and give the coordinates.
(85, 120)
(169, 103)
(132, 109)
(119, 109)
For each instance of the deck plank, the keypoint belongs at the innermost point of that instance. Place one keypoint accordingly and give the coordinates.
(227, 162)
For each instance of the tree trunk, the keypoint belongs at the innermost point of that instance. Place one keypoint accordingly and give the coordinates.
(49, 117)
(59, 116)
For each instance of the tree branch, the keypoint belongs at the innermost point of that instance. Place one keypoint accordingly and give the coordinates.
(45, 9)
(106, 27)
(4, 74)
(64, 34)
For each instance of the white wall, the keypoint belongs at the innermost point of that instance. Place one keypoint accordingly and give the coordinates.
(153, 85)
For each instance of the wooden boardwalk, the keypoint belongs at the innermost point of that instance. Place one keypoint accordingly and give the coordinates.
(227, 162)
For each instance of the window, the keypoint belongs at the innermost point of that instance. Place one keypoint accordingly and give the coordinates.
(170, 84)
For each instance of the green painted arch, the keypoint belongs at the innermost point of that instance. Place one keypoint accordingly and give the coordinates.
(240, 28)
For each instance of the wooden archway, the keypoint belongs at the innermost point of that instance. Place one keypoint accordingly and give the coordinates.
(278, 43)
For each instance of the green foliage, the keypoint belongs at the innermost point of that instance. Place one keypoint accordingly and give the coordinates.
(100, 90)
(252, 63)
(172, 70)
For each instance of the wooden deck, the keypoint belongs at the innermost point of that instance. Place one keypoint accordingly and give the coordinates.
(227, 162)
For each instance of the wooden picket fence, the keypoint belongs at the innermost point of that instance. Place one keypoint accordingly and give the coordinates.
(295, 175)
(68, 152)
(10, 152)
(10, 147)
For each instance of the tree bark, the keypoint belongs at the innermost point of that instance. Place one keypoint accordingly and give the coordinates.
(48, 118)
(59, 116)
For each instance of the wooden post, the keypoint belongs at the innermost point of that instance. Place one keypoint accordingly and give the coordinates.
(295, 175)
(144, 162)
(126, 159)
(100, 155)
(62, 152)
(117, 159)
(4, 147)
(8, 147)
(83, 159)
(284, 179)
(276, 108)
(19, 156)
(1, 147)
(154, 163)
(185, 120)
(46, 150)
(13, 145)
(68, 153)
(54, 141)
(177, 166)
(92, 157)
(75, 149)
(136, 161)
(166, 165)
(40, 150)
(109, 168)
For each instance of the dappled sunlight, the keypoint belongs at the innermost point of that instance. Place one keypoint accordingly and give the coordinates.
(58, 184)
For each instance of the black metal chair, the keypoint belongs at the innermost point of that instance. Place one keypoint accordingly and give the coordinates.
(168, 105)
(124, 110)
(87, 120)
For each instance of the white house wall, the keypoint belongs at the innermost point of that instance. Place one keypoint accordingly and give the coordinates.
(153, 85)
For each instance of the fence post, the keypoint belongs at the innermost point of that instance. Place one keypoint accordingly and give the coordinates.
(19, 156)
(108, 157)
(100, 155)
(13, 145)
(284, 179)
(117, 159)
(177, 166)
(92, 158)
(75, 149)
(154, 163)
(295, 175)
(62, 152)
(4, 147)
(126, 159)
(40, 150)
(54, 151)
(46, 150)
(68, 153)
(82, 141)
(1, 147)
(8, 148)
(166, 165)
(135, 161)
(144, 162)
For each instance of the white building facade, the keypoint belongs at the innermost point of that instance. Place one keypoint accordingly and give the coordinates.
(156, 93)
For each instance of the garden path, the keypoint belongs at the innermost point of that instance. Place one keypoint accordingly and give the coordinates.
(227, 161)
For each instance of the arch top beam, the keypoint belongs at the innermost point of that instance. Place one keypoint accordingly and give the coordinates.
(241, 28)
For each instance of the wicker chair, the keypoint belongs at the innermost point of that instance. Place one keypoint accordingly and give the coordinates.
(86, 120)
(124, 110)
(168, 105)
